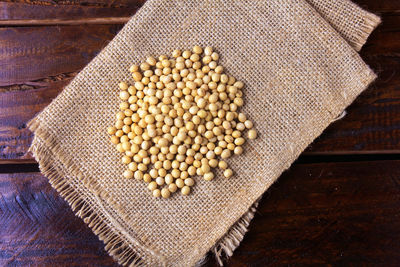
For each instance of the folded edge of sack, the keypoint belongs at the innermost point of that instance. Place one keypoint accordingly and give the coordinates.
(352, 22)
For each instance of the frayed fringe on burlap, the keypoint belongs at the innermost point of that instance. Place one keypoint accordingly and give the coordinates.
(119, 249)
(370, 22)
(227, 244)
(115, 246)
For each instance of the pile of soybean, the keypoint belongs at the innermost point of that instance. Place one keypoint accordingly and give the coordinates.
(180, 118)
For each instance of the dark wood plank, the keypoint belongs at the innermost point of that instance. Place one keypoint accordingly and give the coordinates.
(83, 3)
(15, 138)
(379, 6)
(372, 5)
(72, 11)
(66, 9)
(31, 54)
(36, 64)
(335, 214)
(316, 214)
(37, 227)
(385, 40)
(59, 22)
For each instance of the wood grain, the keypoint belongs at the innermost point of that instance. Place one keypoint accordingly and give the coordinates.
(372, 5)
(15, 138)
(14, 12)
(331, 214)
(52, 22)
(32, 11)
(37, 227)
(82, 3)
(379, 6)
(31, 54)
(36, 64)
(316, 214)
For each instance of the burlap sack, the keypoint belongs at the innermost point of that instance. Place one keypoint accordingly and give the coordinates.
(300, 74)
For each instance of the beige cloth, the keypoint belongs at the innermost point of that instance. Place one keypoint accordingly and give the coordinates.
(353, 23)
(300, 74)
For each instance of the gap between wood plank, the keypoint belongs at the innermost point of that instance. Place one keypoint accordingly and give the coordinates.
(47, 22)
(351, 152)
(27, 165)
(106, 20)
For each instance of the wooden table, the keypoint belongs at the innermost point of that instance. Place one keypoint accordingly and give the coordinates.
(339, 204)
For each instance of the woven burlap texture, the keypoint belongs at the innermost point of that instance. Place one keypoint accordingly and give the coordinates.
(353, 23)
(300, 74)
